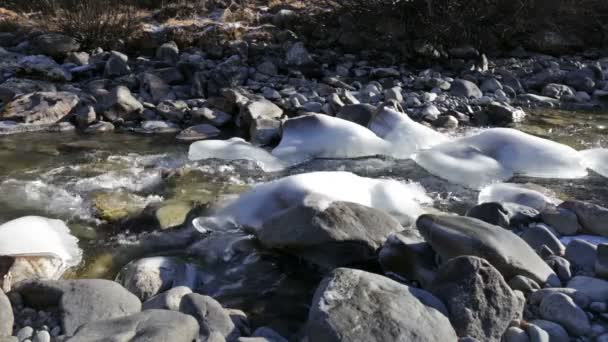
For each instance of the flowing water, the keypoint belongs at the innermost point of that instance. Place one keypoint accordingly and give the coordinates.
(64, 175)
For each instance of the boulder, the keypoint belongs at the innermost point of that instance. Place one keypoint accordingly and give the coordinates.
(539, 235)
(582, 255)
(557, 91)
(6, 315)
(601, 261)
(81, 301)
(564, 221)
(353, 305)
(506, 215)
(338, 235)
(154, 88)
(453, 236)
(556, 332)
(500, 114)
(464, 88)
(480, 303)
(169, 300)
(117, 65)
(211, 316)
(358, 113)
(592, 217)
(554, 43)
(168, 53)
(149, 325)
(298, 55)
(19, 86)
(54, 44)
(40, 107)
(228, 74)
(596, 289)
(559, 308)
(198, 132)
(121, 105)
(43, 67)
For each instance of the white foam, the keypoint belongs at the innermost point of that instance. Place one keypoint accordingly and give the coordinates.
(253, 208)
(234, 149)
(497, 154)
(134, 179)
(517, 193)
(597, 160)
(40, 236)
(321, 136)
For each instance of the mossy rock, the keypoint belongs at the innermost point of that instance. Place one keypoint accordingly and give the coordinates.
(117, 205)
(173, 213)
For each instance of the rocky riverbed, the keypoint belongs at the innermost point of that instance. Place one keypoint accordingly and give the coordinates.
(280, 192)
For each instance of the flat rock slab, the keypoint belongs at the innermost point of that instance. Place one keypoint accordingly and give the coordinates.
(146, 326)
(81, 301)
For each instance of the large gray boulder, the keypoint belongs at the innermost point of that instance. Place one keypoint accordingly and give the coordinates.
(44, 67)
(150, 325)
(480, 302)
(464, 88)
(453, 236)
(592, 217)
(117, 65)
(6, 316)
(212, 318)
(121, 104)
(19, 86)
(596, 289)
(339, 235)
(81, 301)
(40, 107)
(353, 305)
(559, 308)
(361, 113)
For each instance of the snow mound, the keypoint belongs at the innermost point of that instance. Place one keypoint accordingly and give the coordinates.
(597, 160)
(234, 149)
(498, 154)
(524, 194)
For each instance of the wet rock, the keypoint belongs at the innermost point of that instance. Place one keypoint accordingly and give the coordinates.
(40, 108)
(581, 255)
(115, 206)
(100, 127)
(342, 303)
(464, 88)
(174, 111)
(559, 308)
(198, 132)
(488, 304)
(6, 315)
(556, 332)
(592, 217)
(169, 300)
(407, 256)
(85, 115)
(557, 91)
(120, 104)
(81, 301)
(214, 117)
(453, 236)
(539, 235)
(149, 325)
(44, 67)
(339, 235)
(499, 114)
(54, 44)
(211, 316)
(117, 65)
(561, 266)
(596, 289)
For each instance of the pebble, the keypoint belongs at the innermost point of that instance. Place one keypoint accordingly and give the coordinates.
(42, 336)
(25, 333)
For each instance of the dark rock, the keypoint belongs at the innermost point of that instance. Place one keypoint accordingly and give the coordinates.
(559, 308)
(81, 301)
(506, 215)
(341, 234)
(150, 325)
(264, 131)
(168, 52)
(211, 316)
(40, 108)
(121, 105)
(537, 236)
(453, 236)
(358, 113)
(344, 300)
(601, 261)
(214, 117)
(480, 303)
(169, 300)
(44, 67)
(594, 288)
(556, 332)
(6, 315)
(582, 255)
(55, 44)
(464, 88)
(557, 91)
(592, 217)
(554, 43)
(564, 221)
(100, 127)
(228, 74)
(116, 65)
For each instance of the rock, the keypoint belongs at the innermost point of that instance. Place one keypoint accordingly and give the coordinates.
(154, 89)
(169, 300)
(581, 299)
(85, 116)
(211, 317)
(557, 91)
(115, 206)
(149, 325)
(158, 127)
(81, 301)
(592, 217)
(214, 117)
(55, 44)
(464, 52)
(100, 127)
(523, 284)
(341, 234)
(45, 67)
(42, 336)
(40, 107)
(491, 85)
(538, 235)
(198, 132)
(446, 121)
(506, 215)
(583, 79)
(596, 289)
(464, 88)
(537, 334)
(174, 111)
(298, 55)
(601, 261)
(479, 301)
(6, 315)
(258, 108)
(120, 104)
(78, 58)
(582, 255)
(453, 236)
(171, 214)
(554, 43)
(25, 333)
(407, 256)
(342, 303)
(357, 113)
(150, 276)
(228, 74)
(268, 334)
(19, 86)
(556, 332)
(562, 220)
(168, 52)
(117, 65)
(559, 308)
(515, 334)
(268, 68)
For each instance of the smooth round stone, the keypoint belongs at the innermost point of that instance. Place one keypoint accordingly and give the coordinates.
(514, 334)
(25, 333)
(42, 336)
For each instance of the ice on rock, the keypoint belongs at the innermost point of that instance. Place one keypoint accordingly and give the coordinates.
(136, 179)
(498, 154)
(42, 248)
(525, 194)
(403, 134)
(597, 160)
(234, 149)
(253, 208)
(321, 136)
